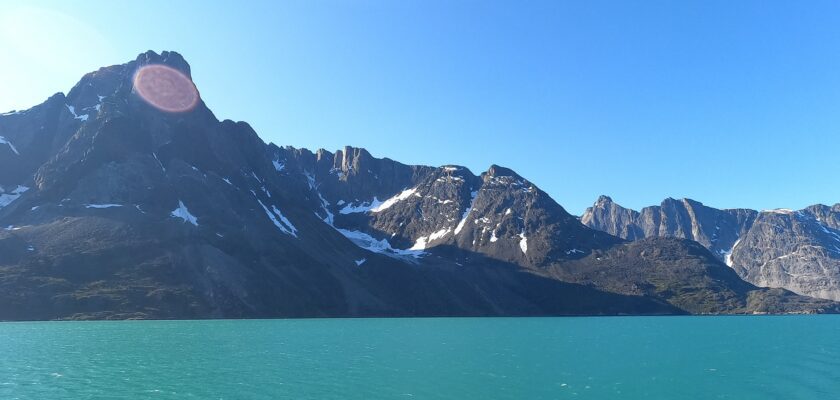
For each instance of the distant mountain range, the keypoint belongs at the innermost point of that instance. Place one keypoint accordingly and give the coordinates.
(794, 250)
(113, 209)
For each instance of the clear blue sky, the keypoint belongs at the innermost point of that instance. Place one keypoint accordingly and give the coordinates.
(734, 103)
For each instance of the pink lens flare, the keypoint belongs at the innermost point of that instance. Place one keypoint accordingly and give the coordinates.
(165, 88)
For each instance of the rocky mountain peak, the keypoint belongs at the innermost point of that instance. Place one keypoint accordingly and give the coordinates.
(499, 171)
(115, 204)
(783, 248)
(603, 200)
(322, 154)
(169, 58)
(352, 160)
(671, 202)
(606, 215)
(116, 83)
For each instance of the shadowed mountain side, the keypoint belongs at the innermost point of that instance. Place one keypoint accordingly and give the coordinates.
(684, 274)
(111, 208)
(123, 272)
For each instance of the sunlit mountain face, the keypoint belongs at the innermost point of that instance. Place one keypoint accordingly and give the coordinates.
(127, 198)
(794, 250)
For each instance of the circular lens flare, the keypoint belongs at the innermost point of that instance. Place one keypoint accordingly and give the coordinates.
(165, 88)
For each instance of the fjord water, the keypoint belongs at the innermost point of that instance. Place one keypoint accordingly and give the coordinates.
(791, 357)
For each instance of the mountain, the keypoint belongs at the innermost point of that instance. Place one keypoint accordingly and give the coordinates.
(717, 230)
(128, 198)
(794, 250)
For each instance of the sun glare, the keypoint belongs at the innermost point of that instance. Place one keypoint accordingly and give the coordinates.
(165, 88)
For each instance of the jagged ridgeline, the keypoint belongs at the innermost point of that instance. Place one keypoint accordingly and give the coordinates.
(794, 250)
(113, 208)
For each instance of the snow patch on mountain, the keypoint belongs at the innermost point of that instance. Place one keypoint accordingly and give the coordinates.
(727, 256)
(102, 205)
(279, 220)
(394, 200)
(361, 208)
(310, 179)
(828, 231)
(466, 213)
(449, 178)
(97, 106)
(285, 220)
(523, 243)
(370, 243)
(8, 198)
(329, 218)
(423, 241)
(82, 117)
(7, 142)
(183, 213)
(785, 211)
(162, 168)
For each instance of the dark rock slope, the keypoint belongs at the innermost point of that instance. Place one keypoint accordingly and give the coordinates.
(111, 208)
(794, 250)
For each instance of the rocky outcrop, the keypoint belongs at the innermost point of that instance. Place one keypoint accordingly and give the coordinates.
(794, 250)
(717, 230)
(677, 271)
(112, 208)
(607, 216)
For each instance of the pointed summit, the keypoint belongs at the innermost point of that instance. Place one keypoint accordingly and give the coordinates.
(128, 205)
(497, 171)
(169, 58)
(603, 200)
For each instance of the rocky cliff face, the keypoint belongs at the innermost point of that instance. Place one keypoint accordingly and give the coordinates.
(794, 250)
(717, 230)
(112, 208)
(498, 214)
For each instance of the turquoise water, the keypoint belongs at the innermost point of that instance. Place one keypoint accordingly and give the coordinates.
(795, 357)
